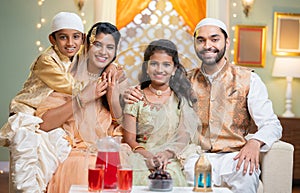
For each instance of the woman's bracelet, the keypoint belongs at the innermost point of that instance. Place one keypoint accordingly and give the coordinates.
(117, 120)
(78, 100)
(138, 147)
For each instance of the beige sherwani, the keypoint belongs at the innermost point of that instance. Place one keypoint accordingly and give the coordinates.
(48, 72)
(226, 100)
(222, 108)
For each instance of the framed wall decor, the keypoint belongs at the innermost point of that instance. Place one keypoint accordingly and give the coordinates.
(250, 45)
(286, 34)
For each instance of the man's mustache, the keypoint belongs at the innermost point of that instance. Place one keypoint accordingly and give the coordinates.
(209, 50)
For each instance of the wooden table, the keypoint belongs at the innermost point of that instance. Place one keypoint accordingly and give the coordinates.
(145, 189)
(291, 134)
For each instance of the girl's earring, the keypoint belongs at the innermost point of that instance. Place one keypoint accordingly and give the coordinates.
(172, 77)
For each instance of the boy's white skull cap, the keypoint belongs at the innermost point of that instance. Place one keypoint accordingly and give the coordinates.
(66, 20)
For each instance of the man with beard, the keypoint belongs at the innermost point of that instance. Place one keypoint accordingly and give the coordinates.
(230, 99)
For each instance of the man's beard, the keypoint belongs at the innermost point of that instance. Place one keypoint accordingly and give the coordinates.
(211, 61)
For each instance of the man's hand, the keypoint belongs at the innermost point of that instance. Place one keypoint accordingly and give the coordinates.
(133, 94)
(249, 154)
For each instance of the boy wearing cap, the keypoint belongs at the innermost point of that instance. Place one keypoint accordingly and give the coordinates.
(30, 147)
(49, 72)
(230, 98)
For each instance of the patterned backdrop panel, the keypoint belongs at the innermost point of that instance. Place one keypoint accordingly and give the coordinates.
(158, 20)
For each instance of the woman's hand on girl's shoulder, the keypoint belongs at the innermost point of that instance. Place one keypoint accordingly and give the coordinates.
(133, 95)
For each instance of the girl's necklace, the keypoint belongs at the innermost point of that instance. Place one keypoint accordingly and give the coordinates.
(159, 93)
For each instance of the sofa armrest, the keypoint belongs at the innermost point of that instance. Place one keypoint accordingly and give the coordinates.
(277, 168)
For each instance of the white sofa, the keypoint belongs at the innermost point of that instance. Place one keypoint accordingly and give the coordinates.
(277, 169)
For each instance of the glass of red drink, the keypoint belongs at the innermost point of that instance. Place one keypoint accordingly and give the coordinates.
(96, 177)
(110, 160)
(124, 178)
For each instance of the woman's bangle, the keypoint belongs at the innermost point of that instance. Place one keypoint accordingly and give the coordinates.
(78, 100)
(138, 147)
